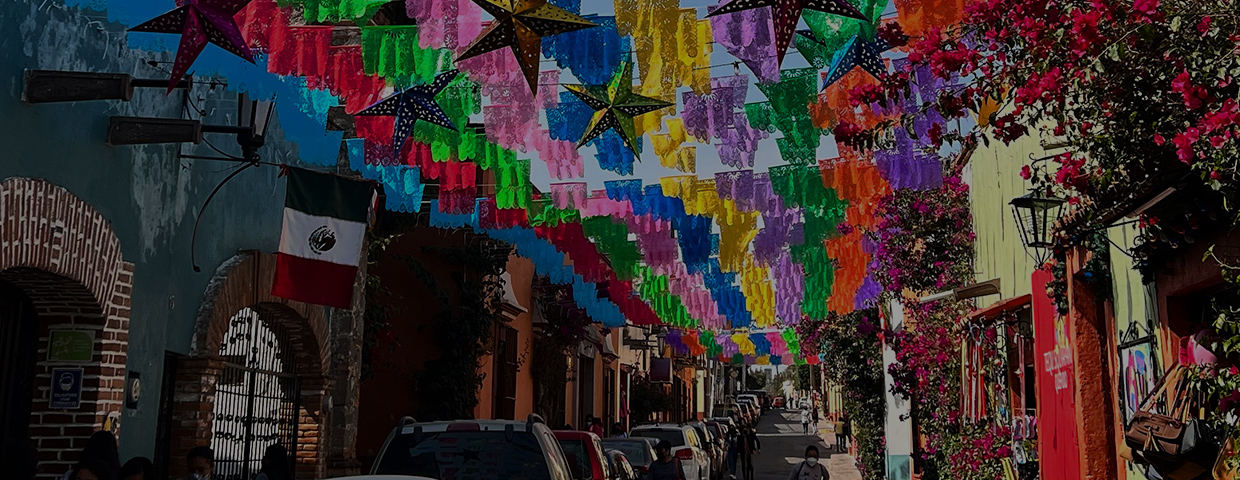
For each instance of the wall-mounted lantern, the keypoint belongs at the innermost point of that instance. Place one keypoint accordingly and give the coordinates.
(1035, 220)
(53, 86)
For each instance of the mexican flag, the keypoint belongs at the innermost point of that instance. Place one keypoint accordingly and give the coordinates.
(325, 220)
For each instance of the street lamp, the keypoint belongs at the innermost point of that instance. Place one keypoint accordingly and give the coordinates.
(1035, 218)
(253, 118)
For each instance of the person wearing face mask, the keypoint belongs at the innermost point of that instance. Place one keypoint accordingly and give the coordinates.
(665, 466)
(810, 469)
(201, 463)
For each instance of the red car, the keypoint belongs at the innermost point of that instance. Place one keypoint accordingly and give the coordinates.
(584, 453)
(778, 402)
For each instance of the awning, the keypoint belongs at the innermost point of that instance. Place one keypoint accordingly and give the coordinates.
(1000, 307)
(510, 307)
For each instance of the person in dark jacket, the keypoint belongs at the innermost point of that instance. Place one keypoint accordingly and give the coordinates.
(665, 466)
(750, 445)
(275, 464)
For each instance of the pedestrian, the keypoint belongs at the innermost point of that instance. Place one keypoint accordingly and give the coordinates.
(200, 461)
(751, 446)
(810, 469)
(567, 426)
(100, 454)
(617, 431)
(93, 468)
(845, 432)
(275, 464)
(804, 420)
(814, 416)
(665, 466)
(138, 468)
(589, 423)
(734, 450)
(597, 427)
(20, 459)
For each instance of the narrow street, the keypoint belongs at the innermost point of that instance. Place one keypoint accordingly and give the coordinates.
(783, 445)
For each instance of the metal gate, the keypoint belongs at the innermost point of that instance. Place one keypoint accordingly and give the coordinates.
(257, 397)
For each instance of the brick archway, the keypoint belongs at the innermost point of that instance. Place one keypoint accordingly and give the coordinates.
(64, 256)
(244, 281)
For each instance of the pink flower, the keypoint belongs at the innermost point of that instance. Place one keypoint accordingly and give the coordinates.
(1025, 172)
(1159, 140)
(1203, 27)
(1148, 7)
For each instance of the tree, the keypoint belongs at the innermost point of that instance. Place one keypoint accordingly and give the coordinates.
(756, 380)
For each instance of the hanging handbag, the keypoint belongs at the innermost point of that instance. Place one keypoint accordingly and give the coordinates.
(1161, 435)
(1222, 470)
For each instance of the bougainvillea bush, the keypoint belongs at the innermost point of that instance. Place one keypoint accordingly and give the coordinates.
(927, 373)
(852, 359)
(924, 239)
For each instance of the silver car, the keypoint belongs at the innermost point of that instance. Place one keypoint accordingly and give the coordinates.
(687, 445)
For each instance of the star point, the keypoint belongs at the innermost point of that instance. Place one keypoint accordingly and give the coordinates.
(785, 14)
(520, 25)
(413, 104)
(858, 53)
(614, 106)
(199, 23)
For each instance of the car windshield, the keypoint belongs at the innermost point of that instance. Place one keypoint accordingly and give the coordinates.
(638, 451)
(578, 459)
(465, 456)
(674, 437)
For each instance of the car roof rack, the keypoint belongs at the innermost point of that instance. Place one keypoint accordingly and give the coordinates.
(532, 419)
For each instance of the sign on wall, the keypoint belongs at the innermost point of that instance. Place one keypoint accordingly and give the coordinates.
(71, 346)
(66, 388)
(1054, 343)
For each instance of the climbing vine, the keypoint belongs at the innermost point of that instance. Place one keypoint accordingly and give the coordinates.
(461, 331)
(852, 358)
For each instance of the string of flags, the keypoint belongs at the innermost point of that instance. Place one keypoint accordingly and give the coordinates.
(718, 258)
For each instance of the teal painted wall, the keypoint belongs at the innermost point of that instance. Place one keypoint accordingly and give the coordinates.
(149, 196)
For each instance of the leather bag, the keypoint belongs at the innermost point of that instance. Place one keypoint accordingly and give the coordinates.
(1161, 435)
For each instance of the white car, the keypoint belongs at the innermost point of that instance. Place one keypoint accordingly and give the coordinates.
(472, 450)
(686, 445)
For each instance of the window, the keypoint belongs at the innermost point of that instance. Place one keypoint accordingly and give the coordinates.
(504, 388)
(674, 437)
(465, 456)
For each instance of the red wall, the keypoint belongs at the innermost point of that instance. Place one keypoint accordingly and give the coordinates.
(391, 393)
(1058, 446)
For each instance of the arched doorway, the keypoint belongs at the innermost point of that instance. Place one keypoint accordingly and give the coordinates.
(64, 306)
(19, 336)
(255, 376)
(257, 396)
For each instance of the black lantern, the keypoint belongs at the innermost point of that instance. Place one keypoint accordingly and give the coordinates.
(1035, 218)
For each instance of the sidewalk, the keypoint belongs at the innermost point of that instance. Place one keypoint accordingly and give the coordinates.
(783, 446)
(841, 466)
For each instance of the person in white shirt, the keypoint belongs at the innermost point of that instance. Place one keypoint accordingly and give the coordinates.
(805, 420)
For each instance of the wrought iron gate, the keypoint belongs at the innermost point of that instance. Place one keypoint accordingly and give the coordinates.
(257, 397)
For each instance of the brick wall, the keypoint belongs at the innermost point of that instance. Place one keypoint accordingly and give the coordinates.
(245, 282)
(64, 255)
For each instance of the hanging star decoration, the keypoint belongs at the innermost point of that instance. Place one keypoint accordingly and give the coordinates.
(413, 104)
(614, 106)
(200, 22)
(521, 24)
(787, 13)
(858, 53)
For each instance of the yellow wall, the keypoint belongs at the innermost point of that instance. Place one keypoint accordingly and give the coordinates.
(994, 178)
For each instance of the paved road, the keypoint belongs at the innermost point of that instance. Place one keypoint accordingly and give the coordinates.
(783, 446)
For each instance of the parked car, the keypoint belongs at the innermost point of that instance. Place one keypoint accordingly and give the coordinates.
(621, 469)
(686, 445)
(638, 450)
(749, 397)
(720, 431)
(713, 445)
(585, 454)
(778, 402)
(473, 450)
